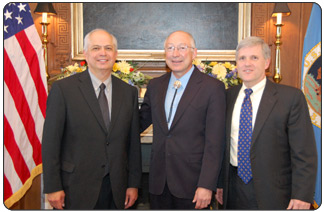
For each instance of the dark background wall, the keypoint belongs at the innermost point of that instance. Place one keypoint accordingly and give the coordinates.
(146, 25)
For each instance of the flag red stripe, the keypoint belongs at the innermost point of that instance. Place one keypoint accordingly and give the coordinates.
(14, 152)
(25, 102)
(17, 93)
(7, 188)
(33, 63)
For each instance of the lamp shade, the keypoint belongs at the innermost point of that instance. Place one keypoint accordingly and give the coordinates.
(281, 8)
(45, 8)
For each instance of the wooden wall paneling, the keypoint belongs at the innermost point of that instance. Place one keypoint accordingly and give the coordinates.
(59, 36)
(261, 26)
(260, 21)
(291, 43)
(32, 199)
(293, 33)
(61, 42)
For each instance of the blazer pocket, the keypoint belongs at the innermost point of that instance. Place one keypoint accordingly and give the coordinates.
(67, 167)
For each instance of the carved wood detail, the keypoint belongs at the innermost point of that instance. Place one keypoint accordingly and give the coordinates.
(61, 42)
(261, 18)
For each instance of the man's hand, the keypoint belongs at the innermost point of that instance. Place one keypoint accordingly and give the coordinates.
(202, 198)
(56, 199)
(298, 204)
(131, 197)
(219, 195)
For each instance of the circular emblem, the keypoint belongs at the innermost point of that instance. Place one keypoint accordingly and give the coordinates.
(312, 83)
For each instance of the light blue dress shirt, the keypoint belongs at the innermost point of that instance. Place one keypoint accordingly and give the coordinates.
(170, 93)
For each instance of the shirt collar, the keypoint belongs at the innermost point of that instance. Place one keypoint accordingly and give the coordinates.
(96, 82)
(184, 79)
(256, 88)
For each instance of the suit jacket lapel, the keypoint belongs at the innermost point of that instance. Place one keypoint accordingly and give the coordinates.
(89, 94)
(231, 99)
(117, 101)
(160, 103)
(268, 101)
(190, 92)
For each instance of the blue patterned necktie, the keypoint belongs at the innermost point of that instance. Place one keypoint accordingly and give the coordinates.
(245, 138)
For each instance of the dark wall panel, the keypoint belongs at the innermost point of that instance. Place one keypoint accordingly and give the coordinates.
(145, 26)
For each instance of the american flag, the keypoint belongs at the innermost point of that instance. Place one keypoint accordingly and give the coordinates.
(25, 94)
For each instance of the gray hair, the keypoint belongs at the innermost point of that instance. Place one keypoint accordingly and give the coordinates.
(192, 40)
(254, 41)
(86, 39)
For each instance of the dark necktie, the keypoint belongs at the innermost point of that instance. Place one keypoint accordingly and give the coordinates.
(104, 105)
(176, 85)
(245, 138)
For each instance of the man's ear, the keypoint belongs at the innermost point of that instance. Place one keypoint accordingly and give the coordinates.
(267, 64)
(194, 55)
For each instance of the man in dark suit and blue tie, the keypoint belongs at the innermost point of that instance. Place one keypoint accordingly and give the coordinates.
(91, 143)
(187, 109)
(270, 155)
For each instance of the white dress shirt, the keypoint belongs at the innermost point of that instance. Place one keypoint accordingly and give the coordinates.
(255, 99)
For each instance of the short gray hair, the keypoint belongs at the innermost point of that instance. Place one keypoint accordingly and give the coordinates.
(192, 40)
(86, 39)
(254, 41)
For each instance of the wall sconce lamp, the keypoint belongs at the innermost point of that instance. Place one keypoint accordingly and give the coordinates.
(45, 9)
(280, 9)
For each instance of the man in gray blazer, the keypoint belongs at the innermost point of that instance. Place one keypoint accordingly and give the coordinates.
(279, 169)
(187, 109)
(91, 160)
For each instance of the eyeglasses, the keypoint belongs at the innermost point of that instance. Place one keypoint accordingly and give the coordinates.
(181, 48)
